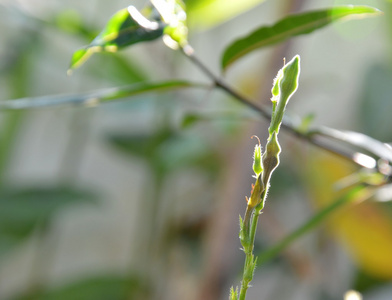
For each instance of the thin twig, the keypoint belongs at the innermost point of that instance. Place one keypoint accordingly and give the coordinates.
(288, 125)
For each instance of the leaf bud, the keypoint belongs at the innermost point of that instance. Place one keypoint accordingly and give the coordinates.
(257, 164)
(271, 156)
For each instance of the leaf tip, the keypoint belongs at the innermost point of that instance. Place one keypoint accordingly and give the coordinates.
(78, 58)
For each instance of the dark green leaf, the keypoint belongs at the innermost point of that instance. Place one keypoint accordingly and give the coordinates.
(292, 26)
(95, 288)
(167, 150)
(364, 281)
(144, 146)
(23, 210)
(97, 97)
(185, 152)
(189, 120)
(123, 29)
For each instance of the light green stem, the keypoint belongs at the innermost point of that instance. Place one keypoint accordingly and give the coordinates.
(252, 236)
(245, 283)
(285, 85)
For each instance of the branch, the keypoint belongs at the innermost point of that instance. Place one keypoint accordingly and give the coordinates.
(314, 137)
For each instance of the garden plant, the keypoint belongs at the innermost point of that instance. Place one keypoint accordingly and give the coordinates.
(166, 20)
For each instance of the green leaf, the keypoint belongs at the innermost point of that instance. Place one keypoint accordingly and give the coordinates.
(96, 97)
(370, 145)
(95, 288)
(141, 145)
(189, 120)
(365, 282)
(174, 16)
(126, 27)
(79, 57)
(21, 211)
(167, 150)
(292, 26)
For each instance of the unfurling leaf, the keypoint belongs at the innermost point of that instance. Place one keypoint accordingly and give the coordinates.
(284, 87)
(174, 17)
(126, 27)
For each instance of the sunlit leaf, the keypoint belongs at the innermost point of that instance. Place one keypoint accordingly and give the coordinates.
(80, 56)
(126, 27)
(96, 97)
(364, 228)
(291, 26)
(359, 140)
(384, 193)
(174, 16)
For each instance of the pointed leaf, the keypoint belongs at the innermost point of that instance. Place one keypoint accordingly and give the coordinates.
(126, 27)
(168, 150)
(97, 97)
(292, 26)
(360, 140)
(22, 211)
(99, 287)
(141, 145)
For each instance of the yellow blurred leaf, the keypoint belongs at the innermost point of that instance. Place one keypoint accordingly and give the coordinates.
(363, 227)
(206, 14)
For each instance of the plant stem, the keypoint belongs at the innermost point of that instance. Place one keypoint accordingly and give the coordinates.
(244, 285)
(288, 125)
(252, 235)
(253, 228)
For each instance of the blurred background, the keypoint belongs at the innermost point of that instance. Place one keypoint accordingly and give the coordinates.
(139, 199)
